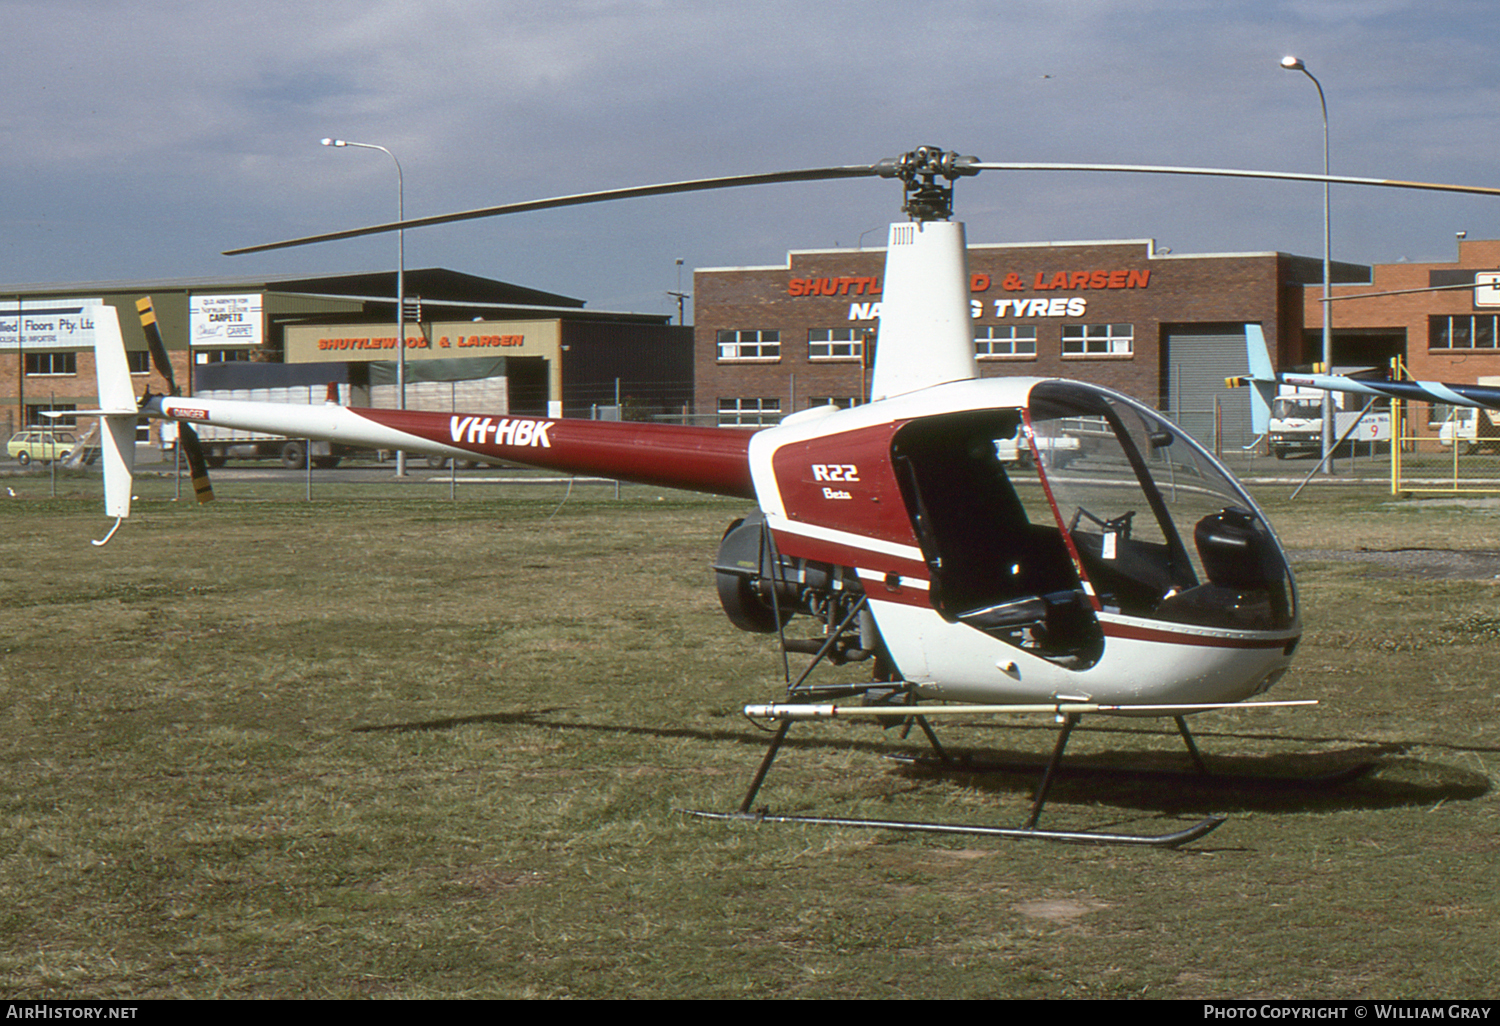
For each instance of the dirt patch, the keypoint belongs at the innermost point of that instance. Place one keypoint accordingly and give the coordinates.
(1060, 910)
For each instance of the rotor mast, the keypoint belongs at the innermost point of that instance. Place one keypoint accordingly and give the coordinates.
(926, 334)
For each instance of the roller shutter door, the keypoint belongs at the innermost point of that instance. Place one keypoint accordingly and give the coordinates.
(1198, 363)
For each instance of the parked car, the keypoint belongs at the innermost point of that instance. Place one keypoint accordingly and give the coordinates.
(25, 446)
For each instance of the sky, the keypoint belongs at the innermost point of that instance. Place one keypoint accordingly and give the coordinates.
(138, 141)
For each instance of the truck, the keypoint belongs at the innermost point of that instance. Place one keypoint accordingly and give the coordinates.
(1058, 443)
(436, 385)
(273, 383)
(1472, 430)
(1297, 421)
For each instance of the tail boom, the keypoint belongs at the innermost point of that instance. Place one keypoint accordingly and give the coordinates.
(712, 460)
(1479, 396)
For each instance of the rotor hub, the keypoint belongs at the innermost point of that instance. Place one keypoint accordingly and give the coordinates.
(925, 199)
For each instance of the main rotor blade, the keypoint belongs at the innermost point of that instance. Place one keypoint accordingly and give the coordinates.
(635, 192)
(883, 169)
(1220, 172)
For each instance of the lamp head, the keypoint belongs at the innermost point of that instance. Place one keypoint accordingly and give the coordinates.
(1291, 63)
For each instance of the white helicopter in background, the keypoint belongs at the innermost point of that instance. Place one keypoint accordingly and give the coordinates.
(1135, 578)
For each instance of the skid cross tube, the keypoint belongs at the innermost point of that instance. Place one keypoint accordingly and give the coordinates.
(1068, 713)
(786, 723)
(1192, 744)
(780, 736)
(932, 738)
(765, 765)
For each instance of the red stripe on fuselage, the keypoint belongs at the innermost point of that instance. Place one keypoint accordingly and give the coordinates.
(1171, 637)
(790, 543)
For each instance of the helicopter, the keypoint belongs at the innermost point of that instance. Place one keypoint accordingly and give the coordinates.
(1000, 545)
(1264, 380)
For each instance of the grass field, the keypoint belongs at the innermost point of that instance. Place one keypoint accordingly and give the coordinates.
(386, 745)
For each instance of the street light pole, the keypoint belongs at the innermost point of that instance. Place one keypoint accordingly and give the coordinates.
(679, 295)
(1294, 64)
(400, 283)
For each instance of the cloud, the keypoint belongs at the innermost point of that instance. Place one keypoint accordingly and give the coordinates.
(190, 127)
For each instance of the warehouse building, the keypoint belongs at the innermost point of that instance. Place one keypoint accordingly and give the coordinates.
(468, 339)
(771, 340)
(1163, 328)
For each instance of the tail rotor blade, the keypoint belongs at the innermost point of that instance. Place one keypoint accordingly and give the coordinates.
(158, 349)
(192, 448)
(197, 464)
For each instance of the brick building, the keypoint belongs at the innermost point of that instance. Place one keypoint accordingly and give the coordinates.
(1163, 328)
(1449, 335)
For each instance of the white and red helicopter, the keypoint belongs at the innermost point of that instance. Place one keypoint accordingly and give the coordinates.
(1117, 568)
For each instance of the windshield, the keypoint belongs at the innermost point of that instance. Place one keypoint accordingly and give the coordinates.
(1297, 409)
(1158, 527)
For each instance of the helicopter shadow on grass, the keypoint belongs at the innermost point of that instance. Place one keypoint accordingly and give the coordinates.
(1346, 774)
(1357, 775)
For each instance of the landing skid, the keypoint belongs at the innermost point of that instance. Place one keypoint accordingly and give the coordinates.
(897, 704)
(1171, 840)
(1027, 831)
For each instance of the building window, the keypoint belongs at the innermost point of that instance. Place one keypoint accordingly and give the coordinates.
(139, 360)
(835, 344)
(1005, 340)
(749, 345)
(842, 402)
(203, 356)
(36, 416)
(749, 412)
(1098, 339)
(1463, 332)
(51, 363)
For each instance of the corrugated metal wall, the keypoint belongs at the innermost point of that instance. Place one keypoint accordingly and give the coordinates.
(1198, 360)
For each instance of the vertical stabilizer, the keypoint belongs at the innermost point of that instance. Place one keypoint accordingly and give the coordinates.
(117, 412)
(926, 332)
(1262, 379)
(115, 391)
